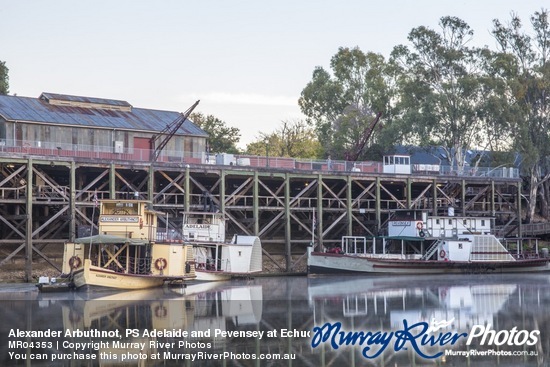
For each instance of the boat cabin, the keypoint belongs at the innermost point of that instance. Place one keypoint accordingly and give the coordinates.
(407, 223)
(128, 218)
(397, 163)
(472, 248)
(206, 232)
(449, 227)
(417, 223)
(204, 226)
(126, 243)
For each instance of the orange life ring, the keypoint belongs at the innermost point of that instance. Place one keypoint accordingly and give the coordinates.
(419, 225)
(442, 253)
(161, 312)
(75, 262)
(160, 263)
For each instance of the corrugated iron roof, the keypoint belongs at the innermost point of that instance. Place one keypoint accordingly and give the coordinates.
(16, 108)
(92, 100)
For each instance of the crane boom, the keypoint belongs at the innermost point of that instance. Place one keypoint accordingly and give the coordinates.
(352, 156)
(159, 141)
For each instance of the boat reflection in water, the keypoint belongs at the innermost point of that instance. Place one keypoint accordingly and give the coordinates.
(140, 316)
(211, 312)
(454, 304)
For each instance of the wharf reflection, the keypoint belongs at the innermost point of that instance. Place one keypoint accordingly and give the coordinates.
(381, 304)
(197, 309)
(133, 328)
(284, 303)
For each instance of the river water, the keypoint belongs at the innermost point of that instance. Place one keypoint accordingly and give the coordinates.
(466, 320)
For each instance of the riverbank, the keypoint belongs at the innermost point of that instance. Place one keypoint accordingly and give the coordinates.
(14, 271)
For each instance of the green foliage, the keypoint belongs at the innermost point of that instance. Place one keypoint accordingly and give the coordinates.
(222, 138)
(441, 89)
(292, 139)
(342, 105)
(522, 67)
(4, 79)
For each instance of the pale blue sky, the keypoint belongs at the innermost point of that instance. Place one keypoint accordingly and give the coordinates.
(247, 61)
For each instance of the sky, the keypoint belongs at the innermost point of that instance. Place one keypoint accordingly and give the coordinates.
(246, 61)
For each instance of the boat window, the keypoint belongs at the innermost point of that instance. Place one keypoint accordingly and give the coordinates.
(465, 222)
(483, 222)
(460, 246)
(437, 221)
(450, 221)
(120, 208)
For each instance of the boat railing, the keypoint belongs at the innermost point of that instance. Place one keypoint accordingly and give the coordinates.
(526, 255)
(209, 263)
(431, 251)
(354, 245)
(393, 256)
(126, 265)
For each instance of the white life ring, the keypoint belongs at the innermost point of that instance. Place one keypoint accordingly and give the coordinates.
(419, 225)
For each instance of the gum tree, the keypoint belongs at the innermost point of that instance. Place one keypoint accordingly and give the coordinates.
(341, 104)
(294, 139)
(4, 79)
(441, 90)
(221, 137)
(523, 64)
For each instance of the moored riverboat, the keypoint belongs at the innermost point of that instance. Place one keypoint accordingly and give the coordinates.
(215, 258)
(125, 254)
(420, 244)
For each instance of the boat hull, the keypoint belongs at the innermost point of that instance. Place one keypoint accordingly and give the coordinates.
(219, 276)
(92, 276)
(326, 263)
(212, 276)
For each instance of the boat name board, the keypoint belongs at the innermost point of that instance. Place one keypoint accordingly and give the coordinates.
(197, 226)
(401, 223)
(105, 276)
(118, 219)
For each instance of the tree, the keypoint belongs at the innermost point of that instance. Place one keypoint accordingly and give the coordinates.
(523, 66)
(222, 138)
(441, 89)
(294, 139)
(342, 105)
(4, 79)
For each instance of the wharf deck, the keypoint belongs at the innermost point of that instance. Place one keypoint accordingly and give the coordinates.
(46, 202)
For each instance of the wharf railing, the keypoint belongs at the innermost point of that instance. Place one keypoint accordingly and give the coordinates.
(113, 153)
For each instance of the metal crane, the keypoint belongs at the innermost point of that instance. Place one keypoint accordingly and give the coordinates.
(159, 141)
(352, 155)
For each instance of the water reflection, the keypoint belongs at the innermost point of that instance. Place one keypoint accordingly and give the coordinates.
(229, 317)
(381, 304)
